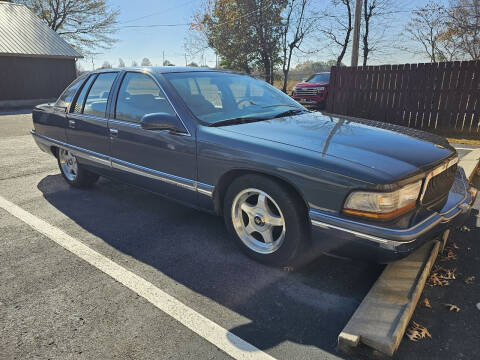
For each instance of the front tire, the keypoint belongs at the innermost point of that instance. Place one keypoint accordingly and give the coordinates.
(73, 172)
(267, 220)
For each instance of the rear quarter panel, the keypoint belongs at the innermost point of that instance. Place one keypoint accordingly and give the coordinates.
(51, 121)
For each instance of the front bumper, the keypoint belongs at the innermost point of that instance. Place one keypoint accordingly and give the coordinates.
(345, 237)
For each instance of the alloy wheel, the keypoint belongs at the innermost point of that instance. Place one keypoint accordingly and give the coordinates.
(68, 164)
(258, 221)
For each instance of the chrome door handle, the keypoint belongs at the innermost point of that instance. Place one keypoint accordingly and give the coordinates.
(113, 132)
(71, 124)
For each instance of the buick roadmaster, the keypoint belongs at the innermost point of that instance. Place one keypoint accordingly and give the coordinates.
(284, 178)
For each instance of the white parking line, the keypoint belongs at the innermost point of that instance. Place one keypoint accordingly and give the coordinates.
(207, 329)
(461, 148)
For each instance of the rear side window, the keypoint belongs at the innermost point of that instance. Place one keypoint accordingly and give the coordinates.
(96, 103)
(83, 94)
(140, 95)
(69, 93)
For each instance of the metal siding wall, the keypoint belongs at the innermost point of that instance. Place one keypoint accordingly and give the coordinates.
(25, 78)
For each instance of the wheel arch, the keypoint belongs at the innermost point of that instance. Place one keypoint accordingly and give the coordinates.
(227, 178)
(54, 150)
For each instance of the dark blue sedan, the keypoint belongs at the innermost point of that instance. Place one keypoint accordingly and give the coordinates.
(285, 179)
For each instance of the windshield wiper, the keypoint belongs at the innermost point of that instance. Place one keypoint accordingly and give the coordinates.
(244, 120)
(288, 113)
(289, 105)
(239, 120)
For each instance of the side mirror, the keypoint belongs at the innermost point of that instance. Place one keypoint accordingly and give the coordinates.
(162, 121)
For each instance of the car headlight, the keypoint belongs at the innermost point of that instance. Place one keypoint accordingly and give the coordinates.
(382, 205)
(320, 89)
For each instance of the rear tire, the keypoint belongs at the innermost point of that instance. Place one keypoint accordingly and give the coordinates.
(73, 172)
(268, 221)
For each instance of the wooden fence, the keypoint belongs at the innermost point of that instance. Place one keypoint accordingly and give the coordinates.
(443, 97)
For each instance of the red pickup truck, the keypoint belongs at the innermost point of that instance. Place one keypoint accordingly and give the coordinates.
(313, 91)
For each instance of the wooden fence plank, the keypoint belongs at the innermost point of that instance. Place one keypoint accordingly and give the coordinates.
(441, 97)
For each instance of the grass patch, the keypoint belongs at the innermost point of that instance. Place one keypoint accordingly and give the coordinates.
(464, 141)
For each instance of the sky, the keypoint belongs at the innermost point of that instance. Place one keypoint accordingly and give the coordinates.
(159, 43)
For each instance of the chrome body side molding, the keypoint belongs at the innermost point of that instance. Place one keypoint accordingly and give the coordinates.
(192, 185)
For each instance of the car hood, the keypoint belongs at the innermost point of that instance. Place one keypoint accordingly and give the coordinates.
(310, 84)
(397, 152)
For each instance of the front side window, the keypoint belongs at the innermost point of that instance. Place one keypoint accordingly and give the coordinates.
(218, 96)
(140, 95)
(69, 93)
(78, 107)
(96, 103)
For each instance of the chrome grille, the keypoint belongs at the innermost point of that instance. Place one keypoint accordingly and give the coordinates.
(306, 91)
(438, 182)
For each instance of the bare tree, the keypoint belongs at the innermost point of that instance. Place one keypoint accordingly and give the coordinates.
(146, 62)
(297, 25)
(121, 63)
(106, 65)
(375, 12)
(134, 63)
(338, 25)
(463, 18)
(85, 24)
(428, 28)
(168, 63)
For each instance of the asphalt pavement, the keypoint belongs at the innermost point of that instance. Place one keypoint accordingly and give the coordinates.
(56, 305)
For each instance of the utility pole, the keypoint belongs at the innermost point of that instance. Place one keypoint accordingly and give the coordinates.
(163, 55)
(186, 59)
(356, 32)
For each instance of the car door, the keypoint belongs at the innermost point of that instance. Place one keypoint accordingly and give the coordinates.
(87, 121)
(54, 123)
(159, 160)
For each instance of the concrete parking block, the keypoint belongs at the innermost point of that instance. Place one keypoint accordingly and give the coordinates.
(470, 163)
(383, 316)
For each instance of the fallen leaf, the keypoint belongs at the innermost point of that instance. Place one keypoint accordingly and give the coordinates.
(448, 274)
(288, 268)
(417, 332)
(434, 280)
(464, 228)
(452, 307)
(450, 256)
(454, 245)
(426, 303)
(470, 280)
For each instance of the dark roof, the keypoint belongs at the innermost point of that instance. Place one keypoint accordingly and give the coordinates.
(22, 33)
(163, 69)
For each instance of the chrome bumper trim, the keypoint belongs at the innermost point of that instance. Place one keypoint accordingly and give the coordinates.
(399, 236)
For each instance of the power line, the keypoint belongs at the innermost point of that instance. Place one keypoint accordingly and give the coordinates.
(189, 24)
(158, 12)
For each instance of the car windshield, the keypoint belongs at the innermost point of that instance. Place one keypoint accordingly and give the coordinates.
(319, 78)
(215, 97)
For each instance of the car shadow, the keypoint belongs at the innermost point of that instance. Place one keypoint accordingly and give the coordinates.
(308, 307)
(17, 111)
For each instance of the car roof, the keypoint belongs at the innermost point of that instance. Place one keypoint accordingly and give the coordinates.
(162, 69)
